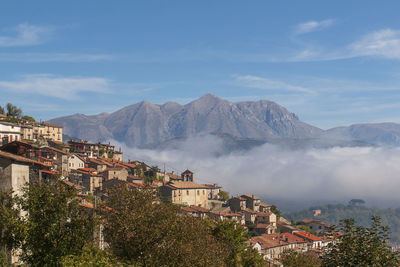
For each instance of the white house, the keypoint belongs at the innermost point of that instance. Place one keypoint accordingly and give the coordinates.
(9, 132)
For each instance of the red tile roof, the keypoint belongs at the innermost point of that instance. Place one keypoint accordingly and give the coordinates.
(308, 236)
(250, 196)
(18, 158)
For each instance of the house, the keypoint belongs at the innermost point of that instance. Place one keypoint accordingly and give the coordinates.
(9, 132)
(266, 217)
(28, 150)
(252, 202)
(263, 228)
(287, 228)
(213, 191)
(92, 150)
(316, 226)
(115, 173)
(48, 131)
(228, 215)
(315, 241)
(196, 211)
(185, 193)
(264, 207)
(59, 157)
(27, 132)
(75, 162)
(98, 164)
(237, 203)
(271, 246)
(250, 215)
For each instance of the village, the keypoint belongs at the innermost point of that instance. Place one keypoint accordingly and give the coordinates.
(35, 150)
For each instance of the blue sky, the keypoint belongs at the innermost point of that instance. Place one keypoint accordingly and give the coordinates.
(332, 63)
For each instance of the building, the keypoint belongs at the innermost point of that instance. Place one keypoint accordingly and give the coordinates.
(186, 193)
(115, 173)
(187, 176)
(252, 202)
(316, 226)
(59, 158)
(93, 150)
(237, 203)
(9, 132)
(315, 241)
(75, 162)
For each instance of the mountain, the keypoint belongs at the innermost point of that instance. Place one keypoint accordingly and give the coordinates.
(241, 125)
(145, 124)
(372, 133)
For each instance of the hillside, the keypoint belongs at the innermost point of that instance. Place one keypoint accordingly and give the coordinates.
(332, 214)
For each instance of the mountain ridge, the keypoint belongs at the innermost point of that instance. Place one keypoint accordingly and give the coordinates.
(145, 124)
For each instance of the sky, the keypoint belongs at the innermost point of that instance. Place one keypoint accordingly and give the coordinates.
(332, 63)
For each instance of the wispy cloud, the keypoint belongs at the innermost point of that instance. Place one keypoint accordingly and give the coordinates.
(67, 88)
(25, 35)
(383, 43)
(312, 26)
(53, 57)
(268, 84)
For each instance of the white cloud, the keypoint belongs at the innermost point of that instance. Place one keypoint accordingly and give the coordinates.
(66, 88)
(312, 26)
(332, 174)
(26, 35)
(383, 43)
(268, 84)
(53, 57)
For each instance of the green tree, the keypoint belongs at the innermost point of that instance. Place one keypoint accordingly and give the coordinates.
(251, 258)
(55, 225)
(233, 238)
(223, 195)
(13, 111)
(1, 110)
(91, 256)
(28, 118)
(144, 231)
(292, 258)
(361, 246)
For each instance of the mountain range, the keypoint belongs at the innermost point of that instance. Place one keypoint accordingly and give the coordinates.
(241, 124)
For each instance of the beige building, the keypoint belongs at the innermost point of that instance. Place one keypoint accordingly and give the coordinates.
(75, 162)
(186, 193)
(27, 132)
(115, 173)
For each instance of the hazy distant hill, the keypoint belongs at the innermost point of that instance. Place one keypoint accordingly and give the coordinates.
(145, 124)
(241, 125)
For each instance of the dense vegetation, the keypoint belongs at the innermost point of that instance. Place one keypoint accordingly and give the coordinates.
(139, 230)
(332, 214)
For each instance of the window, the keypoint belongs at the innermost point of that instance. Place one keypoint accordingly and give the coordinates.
(198, 192)
(187, 192)
(204, 192)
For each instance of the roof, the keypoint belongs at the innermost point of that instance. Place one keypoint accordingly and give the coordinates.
(49, 172)
(77, 187)
(250, 196)
(291, 238)
(18, 158)
(187, 172)
(56, 150)
(240, 198)
(262, 204)
(227, 213)
(249, 211)
(264, 213)
(51, 125)
(268, 241)
(185, 185)
(307, 235)
(212, 186)
(200, 209)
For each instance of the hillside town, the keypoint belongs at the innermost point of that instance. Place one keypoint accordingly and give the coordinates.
(33, 151)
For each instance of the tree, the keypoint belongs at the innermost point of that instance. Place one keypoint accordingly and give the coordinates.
(223, 195)
(251, 258)
(13, 111)
(292, 258)
(144, 231)
(28, 118)
(233, 237)
(361, 246)
(1, 110)
(54, 224)
(90, 256)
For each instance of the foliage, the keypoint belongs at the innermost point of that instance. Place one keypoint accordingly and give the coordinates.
(361, 246)
(144, 231)
(28, 118)
(13, 111)
(305, 228)
(55, 225)
(223, 195)
(251, 258)
(332, 214)
(3, 259)
(292, 258)
(90, 256)
(1, 110)
(11, 230)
